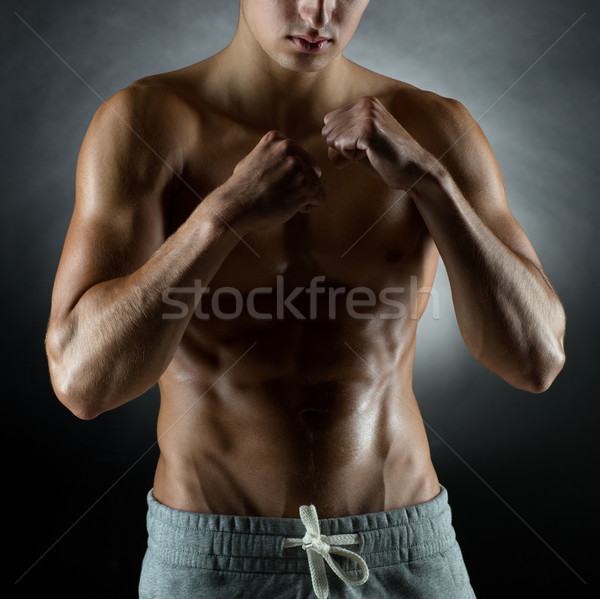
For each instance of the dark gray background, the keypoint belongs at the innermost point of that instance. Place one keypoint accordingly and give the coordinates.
(521, 469)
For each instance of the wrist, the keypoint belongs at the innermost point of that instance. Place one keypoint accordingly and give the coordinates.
(413, 167)
(224, 210)
(430, 175)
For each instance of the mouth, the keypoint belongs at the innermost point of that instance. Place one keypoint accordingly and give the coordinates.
(310, 45)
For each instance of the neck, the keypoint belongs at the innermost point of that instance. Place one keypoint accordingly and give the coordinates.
(266, 95)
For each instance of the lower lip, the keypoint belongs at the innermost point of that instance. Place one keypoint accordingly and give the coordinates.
(308, 47)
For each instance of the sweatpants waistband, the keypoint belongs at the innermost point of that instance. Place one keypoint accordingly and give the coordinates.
(256, 544)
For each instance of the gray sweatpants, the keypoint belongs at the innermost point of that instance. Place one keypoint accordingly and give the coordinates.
(411, 553)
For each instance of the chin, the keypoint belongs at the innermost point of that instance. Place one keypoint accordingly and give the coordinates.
(301, 64)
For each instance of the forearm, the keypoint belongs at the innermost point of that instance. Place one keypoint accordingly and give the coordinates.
(116, 343)
(508, 313)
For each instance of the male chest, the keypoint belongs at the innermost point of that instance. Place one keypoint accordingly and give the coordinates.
(364, 233)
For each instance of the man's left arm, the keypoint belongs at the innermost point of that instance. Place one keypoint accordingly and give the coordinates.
(508, 313)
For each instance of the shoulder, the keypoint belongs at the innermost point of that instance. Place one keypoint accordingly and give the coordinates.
(133, 139)
(145, 102)
(446, 128)
(441, 124)
(139, 122)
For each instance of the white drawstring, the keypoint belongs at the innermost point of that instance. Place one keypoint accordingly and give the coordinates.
(319, 547)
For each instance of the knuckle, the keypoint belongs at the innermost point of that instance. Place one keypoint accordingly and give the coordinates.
(273, 135)
(370, 124)
(370, 106)
(285, 147)
(287, 144)
(292, 163)
(269, 135)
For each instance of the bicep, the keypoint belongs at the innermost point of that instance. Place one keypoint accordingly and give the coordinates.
(122, 188)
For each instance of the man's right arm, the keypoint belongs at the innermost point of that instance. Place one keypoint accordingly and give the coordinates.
(107, 342)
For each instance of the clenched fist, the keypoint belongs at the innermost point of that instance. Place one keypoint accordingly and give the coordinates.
(365, 132)
(273, 182)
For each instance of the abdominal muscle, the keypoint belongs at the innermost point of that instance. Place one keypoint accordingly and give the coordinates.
(254, 445)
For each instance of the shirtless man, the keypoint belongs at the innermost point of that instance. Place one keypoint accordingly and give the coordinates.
(207, 195)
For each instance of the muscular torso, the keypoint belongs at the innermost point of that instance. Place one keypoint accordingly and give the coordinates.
(266, 405)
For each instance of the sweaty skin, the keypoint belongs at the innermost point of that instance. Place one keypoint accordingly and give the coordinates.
(182, 178)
